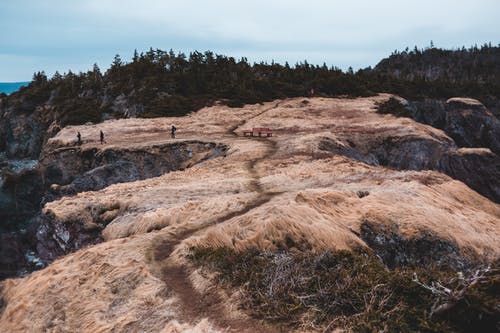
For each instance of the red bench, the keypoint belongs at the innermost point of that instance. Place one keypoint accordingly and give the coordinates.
(259, 131)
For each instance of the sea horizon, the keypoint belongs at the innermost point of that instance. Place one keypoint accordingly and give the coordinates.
(10, 87)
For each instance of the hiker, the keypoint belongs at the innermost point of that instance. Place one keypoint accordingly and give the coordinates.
(172, 131)
(79, 139)
(102, 138)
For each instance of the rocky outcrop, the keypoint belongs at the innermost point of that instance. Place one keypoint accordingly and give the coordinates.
(284, 194)
(470, 124)
(67, 171)
(478, 168)
(392, 151)
(427, 111)
(76, 169)
(21, 136)
(425, 250)
(53, 238)
(11, 255)
(20, 195)
(26, 122)
(465, 120)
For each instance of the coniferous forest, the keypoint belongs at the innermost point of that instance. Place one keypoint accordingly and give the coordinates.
(164, 83)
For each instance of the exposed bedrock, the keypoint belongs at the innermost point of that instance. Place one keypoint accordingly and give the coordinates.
(51, 238)
(12, 251)
(68, 171)
(479, 168)
(465, 120)
(20, 195)
(396, 250)
(72, 170)
(24, 128)
(46, 238)
(476, 167)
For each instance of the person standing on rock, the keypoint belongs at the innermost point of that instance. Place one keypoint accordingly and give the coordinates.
(102, 138)
(172, 131)
(79, 139)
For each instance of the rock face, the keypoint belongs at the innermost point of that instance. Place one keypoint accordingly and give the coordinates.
(21, 135)
(405, 153)
(91, 169)
(465, 120)
(472, 128)
(396, 250)
(67, 171)
(479, 168)
(52, 239)
(20, 195)
(335, 175)
(470, 124)
(11, 255)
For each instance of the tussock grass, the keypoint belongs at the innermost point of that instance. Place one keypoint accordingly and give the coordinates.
(351, 290)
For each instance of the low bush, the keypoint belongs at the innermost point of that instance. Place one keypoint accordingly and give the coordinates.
(353, 290)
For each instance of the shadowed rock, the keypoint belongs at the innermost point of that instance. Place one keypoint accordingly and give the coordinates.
(465, 120)
(396, 250)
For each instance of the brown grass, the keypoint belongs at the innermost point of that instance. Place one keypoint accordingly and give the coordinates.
(319, 207)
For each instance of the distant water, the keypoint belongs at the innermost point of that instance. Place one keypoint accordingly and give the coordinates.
(10, 87)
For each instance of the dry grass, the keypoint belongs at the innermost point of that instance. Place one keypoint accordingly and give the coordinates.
(315, 206)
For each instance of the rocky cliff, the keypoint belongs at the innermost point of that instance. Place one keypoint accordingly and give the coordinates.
(465, 120)
(196, 229)
(66, 171)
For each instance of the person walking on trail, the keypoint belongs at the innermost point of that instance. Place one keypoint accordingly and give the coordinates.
(79, 139)
(102, 138)
(172, 131)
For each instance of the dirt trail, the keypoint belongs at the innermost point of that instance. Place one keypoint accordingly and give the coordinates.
(193, 305)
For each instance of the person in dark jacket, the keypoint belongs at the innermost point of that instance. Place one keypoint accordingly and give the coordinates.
(172, 131)
(102, 138)
(78, 139)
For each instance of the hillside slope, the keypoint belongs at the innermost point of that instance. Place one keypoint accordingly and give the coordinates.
(336, 175)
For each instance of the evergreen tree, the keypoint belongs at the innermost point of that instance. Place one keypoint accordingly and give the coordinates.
(117, 63)
(39, 78)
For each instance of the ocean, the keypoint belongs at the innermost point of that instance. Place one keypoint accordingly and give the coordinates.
(10, 87)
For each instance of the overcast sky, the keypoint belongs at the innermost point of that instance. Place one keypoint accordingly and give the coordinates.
(73, 34)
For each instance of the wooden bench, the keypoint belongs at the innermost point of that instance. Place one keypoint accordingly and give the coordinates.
(259, 131)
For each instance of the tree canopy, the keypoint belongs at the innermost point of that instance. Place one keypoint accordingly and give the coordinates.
(165, 83)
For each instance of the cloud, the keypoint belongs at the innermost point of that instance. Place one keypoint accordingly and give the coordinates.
(337, 32)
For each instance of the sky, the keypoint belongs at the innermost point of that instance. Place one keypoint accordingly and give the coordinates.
(72, 35)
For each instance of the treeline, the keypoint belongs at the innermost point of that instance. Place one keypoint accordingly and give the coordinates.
(474, 64)
(438, 73)
(163, 83)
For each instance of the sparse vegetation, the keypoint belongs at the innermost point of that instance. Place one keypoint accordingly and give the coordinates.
(354, 290)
